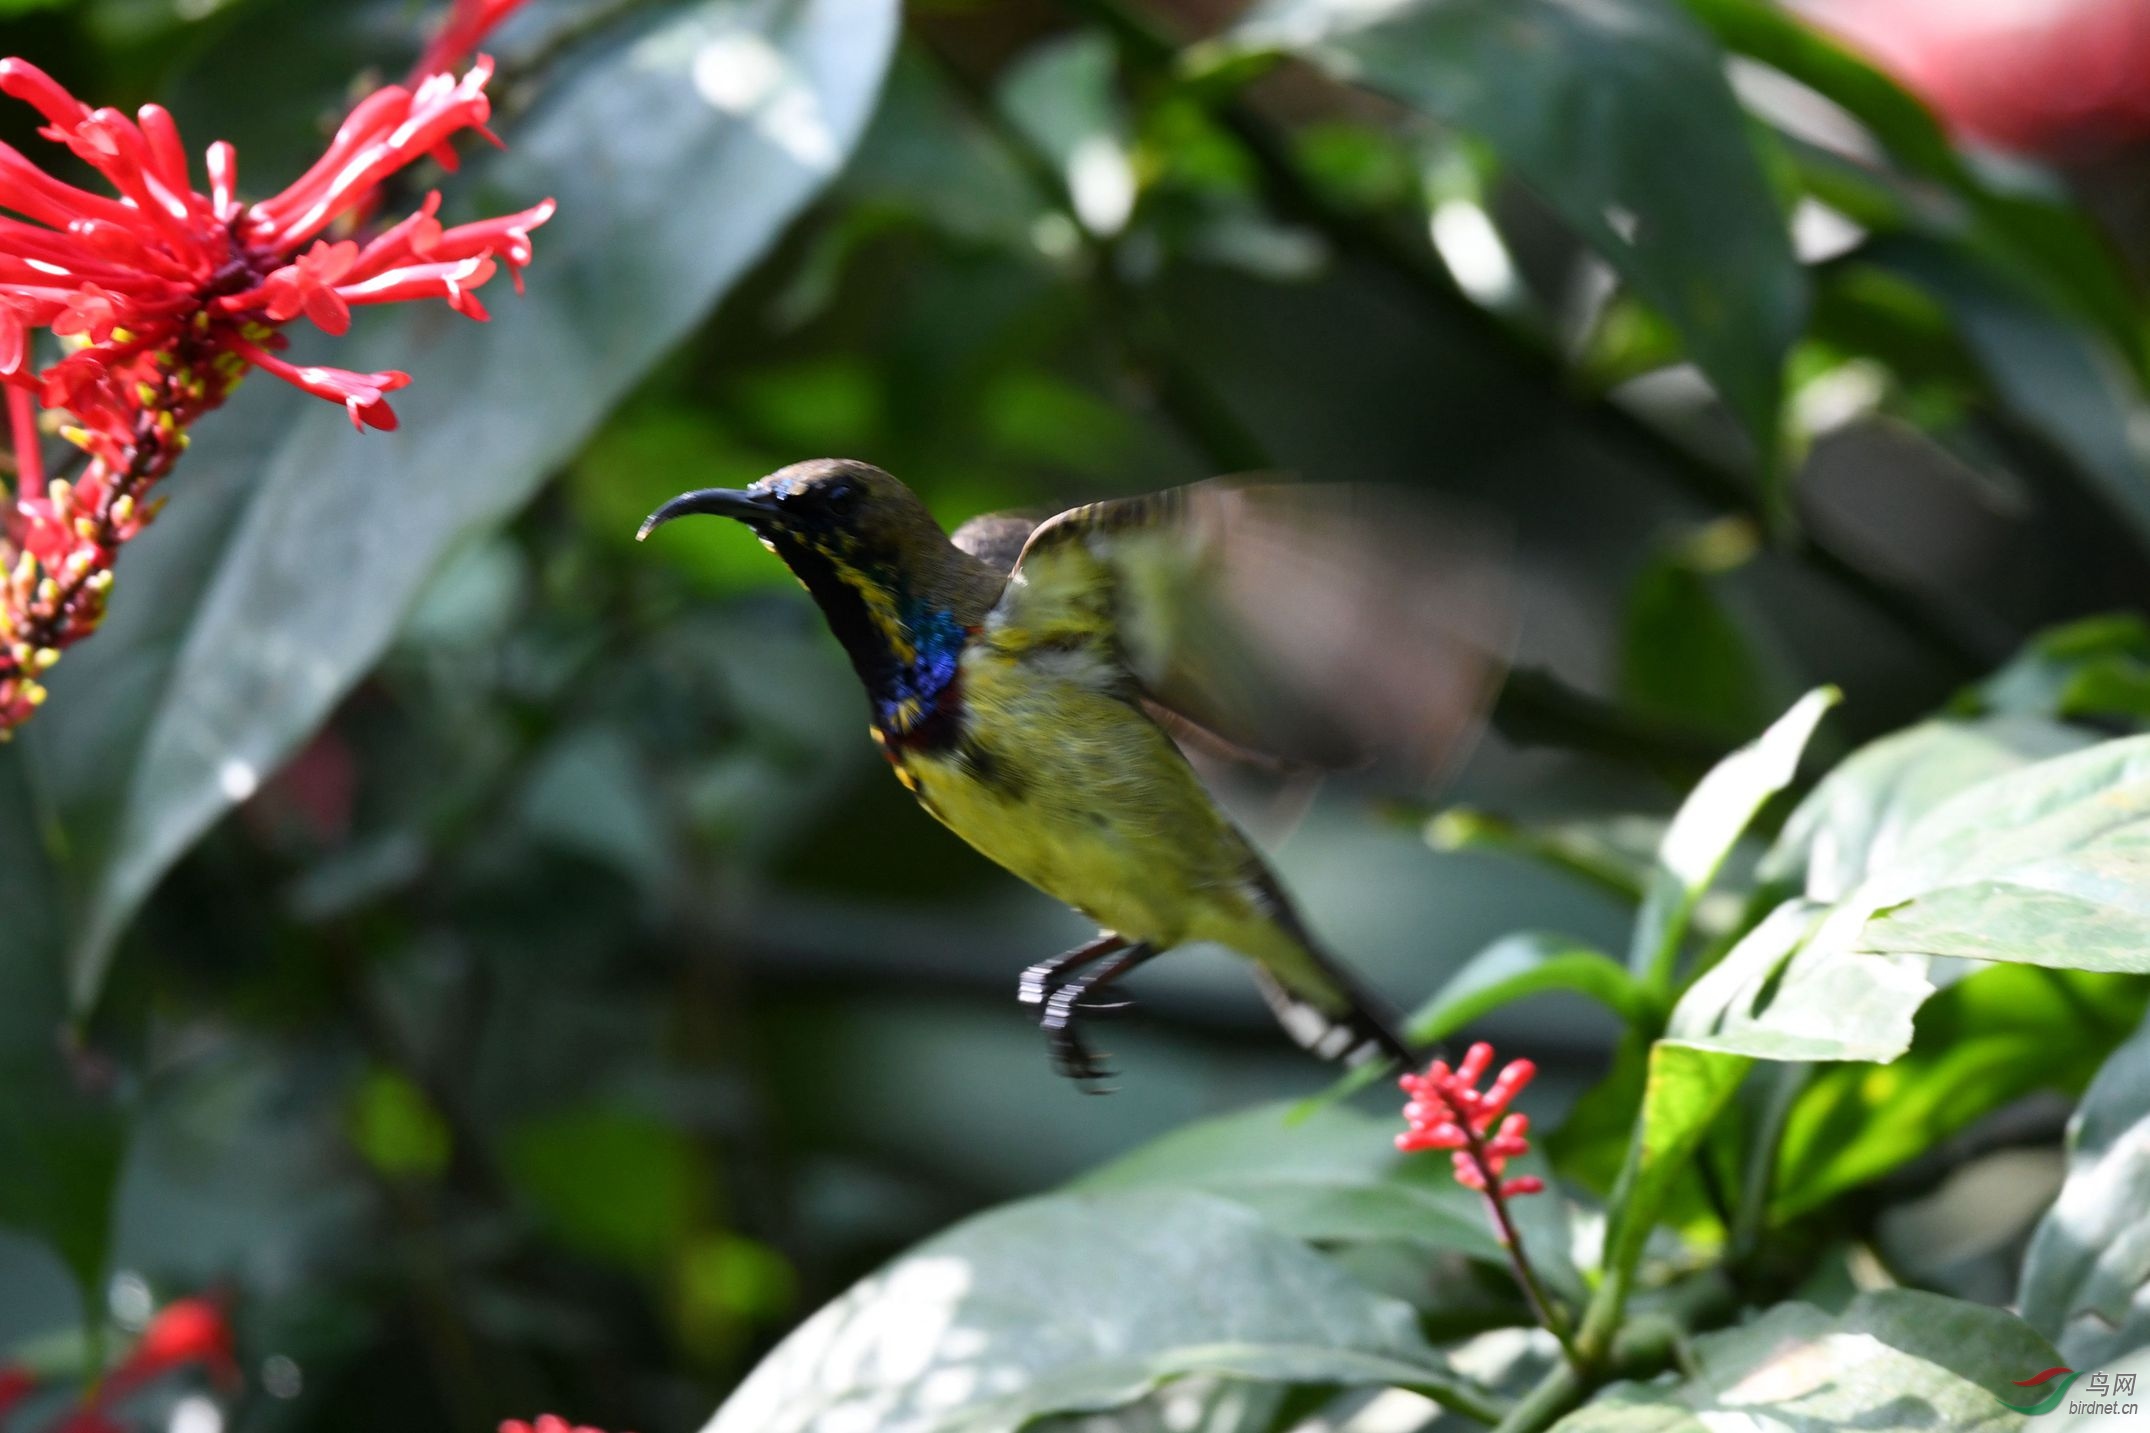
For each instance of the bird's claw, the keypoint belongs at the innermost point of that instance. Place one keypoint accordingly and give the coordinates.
(1072, 1055)
(1063, 996)
(1075, 1060)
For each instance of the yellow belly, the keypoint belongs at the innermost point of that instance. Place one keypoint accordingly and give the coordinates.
(1086, 798)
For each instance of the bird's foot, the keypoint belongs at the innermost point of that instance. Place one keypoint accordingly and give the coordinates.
(1072, 1055)
(1043, 980)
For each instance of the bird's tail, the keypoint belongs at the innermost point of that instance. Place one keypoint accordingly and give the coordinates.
(1317, 1000)
(1342, 1022)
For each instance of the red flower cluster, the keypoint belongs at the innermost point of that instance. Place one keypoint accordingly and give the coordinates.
(546, 1423)
(1448, 1111)
(162, 297)
(185, 1333)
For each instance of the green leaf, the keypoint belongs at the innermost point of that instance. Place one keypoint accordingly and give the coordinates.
(2050, 241)
(1984, 1042)
(1780, 994)
(1518, 967)
(678, 152)
(1894, 1362)
(1709, 822)
(1854, 821)
(2043, 865)
(1061, 95)
(1614, 854)
(2048, 865)
(2060, 377)
(1682, 1093)
(2088, 1265)
(1683, 657)
(1329, 1173)
(1619, 116)
(611, 1183)
(1075, 1303)
(63, 1126)
(2098, 667)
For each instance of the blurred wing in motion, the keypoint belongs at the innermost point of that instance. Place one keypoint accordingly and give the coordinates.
(1338, 627)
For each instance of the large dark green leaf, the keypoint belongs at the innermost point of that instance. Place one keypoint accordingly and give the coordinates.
(1078, 1302)
(1329, 1173)
(1894, 1362)
(62, 1124)
(2088, 1265)
(1618, 114)
(293, 547)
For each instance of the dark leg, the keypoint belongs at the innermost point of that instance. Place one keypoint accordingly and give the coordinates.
(1072, 1056)
(1042, 979)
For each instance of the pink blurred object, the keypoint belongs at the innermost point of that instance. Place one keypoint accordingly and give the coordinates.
(2056, 79)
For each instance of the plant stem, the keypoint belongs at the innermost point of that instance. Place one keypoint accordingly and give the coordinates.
(1542, 1307)
(1461, 1395)
(1558, 1391)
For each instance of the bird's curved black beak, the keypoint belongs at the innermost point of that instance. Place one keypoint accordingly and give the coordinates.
(749, 507)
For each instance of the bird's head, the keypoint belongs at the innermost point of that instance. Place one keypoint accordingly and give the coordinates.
(863, 544)
(836, 509)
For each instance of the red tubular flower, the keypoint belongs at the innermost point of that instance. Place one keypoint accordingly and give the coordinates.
(162, 297)
(1448, 1111)
(468, 22)
(185, 1332)
(16, 1384)
(546, 1423)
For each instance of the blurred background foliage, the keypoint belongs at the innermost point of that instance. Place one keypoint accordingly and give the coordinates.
(488, 954)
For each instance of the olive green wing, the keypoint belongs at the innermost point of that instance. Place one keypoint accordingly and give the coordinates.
(1324, 625)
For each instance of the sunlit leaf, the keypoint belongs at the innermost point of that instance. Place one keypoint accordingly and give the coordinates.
(2048, 865)
(1855, 820)
(1709, 822)
(1897, 1361)
(1330, 1173)
(1073, 1303)
(2044, 864)
(2086, 1276)
(1782, 995)
(1683, 1091)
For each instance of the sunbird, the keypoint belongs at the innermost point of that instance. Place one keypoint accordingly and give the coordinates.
(1032, 683)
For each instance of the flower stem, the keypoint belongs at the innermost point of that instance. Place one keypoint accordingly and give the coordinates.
(1542, 1306)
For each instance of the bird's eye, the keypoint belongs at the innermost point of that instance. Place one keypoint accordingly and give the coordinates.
(841, 498)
